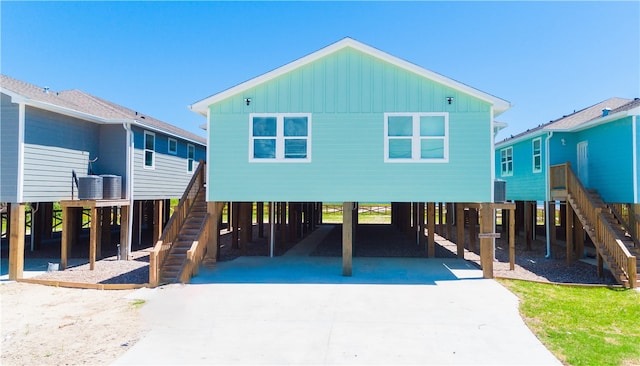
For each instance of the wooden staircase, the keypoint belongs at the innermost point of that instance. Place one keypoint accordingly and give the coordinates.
(190, 232)
(182, 246)
(614, 246)
(616, 229)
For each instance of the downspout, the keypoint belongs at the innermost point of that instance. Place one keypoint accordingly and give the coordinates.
(548, 194)
(129, 168)
(635, 160)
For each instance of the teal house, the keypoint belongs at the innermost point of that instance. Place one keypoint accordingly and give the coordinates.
(589, 159)
(350, 123)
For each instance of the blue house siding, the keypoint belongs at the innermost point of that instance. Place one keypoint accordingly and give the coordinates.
(347, 94)
(524, 184)
(610, 156)
(169, 176)
(9, 126)
(54, 146)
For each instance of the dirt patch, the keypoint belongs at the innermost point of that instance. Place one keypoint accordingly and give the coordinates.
(44, 325)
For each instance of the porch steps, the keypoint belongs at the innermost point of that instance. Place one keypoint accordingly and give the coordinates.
(189, 232)
(617, 230)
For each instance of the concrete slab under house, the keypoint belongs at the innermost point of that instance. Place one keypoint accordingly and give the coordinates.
(350, 123)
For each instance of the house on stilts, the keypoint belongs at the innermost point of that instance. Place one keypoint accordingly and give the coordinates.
(586, 164)
(86, 154)
(348, 123)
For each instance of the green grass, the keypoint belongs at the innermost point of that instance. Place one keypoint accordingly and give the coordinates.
(582, 325)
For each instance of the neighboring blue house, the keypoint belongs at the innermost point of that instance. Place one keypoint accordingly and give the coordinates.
(46, 136)
(350, 123)
(600, 145)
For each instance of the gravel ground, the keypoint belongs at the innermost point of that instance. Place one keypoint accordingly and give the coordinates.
(372, 241)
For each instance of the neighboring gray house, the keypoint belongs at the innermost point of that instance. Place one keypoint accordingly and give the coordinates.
(46, 136)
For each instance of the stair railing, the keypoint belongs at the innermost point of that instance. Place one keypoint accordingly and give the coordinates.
(604, 233)
(628, 219)
(162, 247)
(195, 254)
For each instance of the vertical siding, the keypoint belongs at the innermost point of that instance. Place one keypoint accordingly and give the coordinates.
(55, 145)
(524, 184)
(9, 126)
(170, 176)
(351, 91)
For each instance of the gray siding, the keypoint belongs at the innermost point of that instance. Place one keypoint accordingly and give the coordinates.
(8, 150)
(169, 176)
(55, 145)
(168, 179)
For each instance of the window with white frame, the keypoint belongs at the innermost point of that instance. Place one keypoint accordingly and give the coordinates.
(506, 161)
(283, 137)
(416, 137)
(149, 149)
(536, 147)
(172, 147)
(191, 153)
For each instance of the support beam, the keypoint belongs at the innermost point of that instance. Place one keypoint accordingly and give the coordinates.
(431, 226)
(421, 216)
(440, 219)
(67, 226)
(105, 235)
(347, 238)
(512, 239)
(473, 221)
(157, 219)
(528, 223)
(579, 238)
(486, 244)
(16, 241)
(213, 244)
(260, 218)
(569, 232)
(93, 237)
(124, 232)
(235, 224)
(460, 230)
(449, 218)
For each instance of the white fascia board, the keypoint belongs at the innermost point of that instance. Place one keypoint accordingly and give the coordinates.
(529, 136)
(499, 105)
(145, 126)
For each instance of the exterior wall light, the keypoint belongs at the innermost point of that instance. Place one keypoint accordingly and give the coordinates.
(449, 99)
(247, 100)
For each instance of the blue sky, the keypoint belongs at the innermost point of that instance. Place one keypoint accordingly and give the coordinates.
(547, 58)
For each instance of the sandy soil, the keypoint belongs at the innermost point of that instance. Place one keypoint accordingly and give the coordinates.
(43, 325)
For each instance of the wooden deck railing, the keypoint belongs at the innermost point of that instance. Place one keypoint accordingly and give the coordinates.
(159, 252)
(604, 233)
(196, 253)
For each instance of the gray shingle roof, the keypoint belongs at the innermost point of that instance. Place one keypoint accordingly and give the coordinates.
(80, 101)
(585, 115)
(581, 117)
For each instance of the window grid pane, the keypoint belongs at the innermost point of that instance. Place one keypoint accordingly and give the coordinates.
(400, 126)
(295, 126)
(432, 126)
(264, 126)
(432, 148)
(264, 148)
(295, 148)
(400, 148)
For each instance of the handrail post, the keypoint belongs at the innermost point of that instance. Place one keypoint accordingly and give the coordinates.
(633, 275)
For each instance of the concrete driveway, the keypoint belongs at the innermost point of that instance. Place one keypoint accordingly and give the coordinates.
(297, 309)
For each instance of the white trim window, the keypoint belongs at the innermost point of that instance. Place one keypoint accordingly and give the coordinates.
(149, 150)
(191, 153)
(416, 137)
(172, 146)
(506, 161)
(280, 137)
(536, 152)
